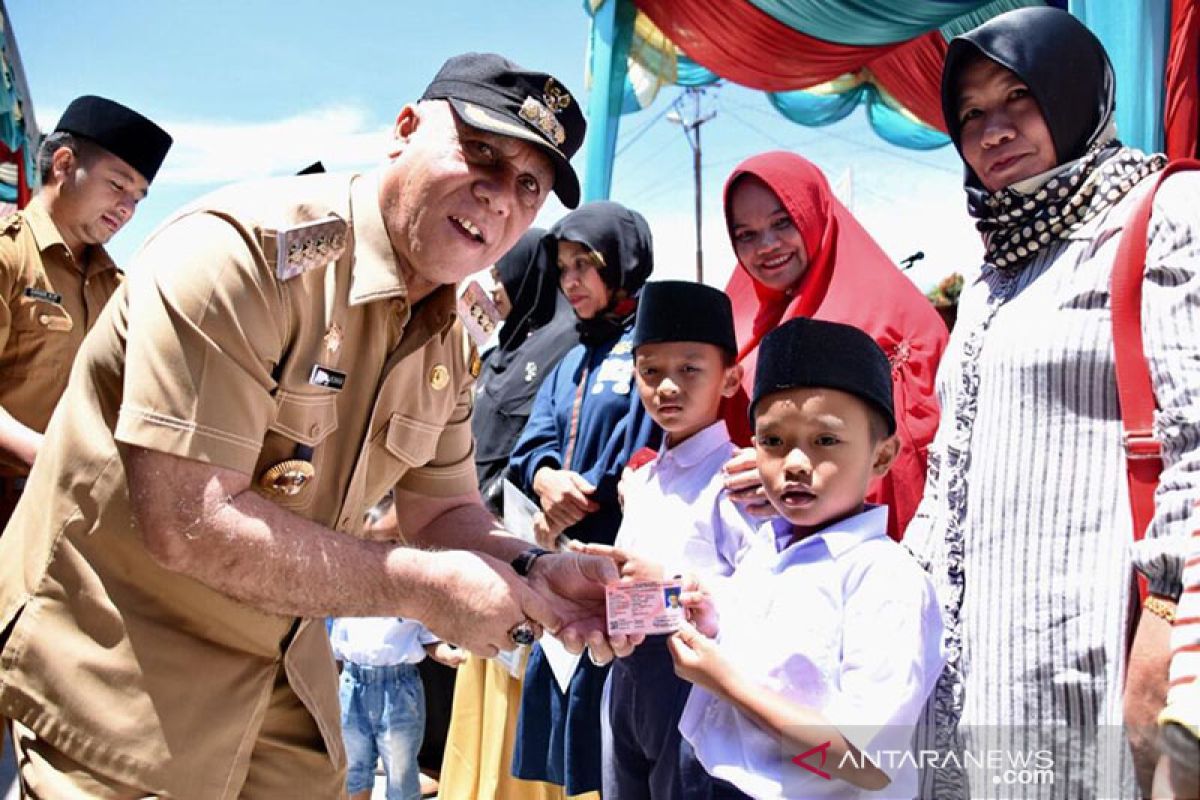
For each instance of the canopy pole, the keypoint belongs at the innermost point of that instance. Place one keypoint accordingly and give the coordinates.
(1135, 33)
(612, 32)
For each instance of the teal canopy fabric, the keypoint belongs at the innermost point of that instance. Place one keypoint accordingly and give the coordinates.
(865, 22)
(891, 124)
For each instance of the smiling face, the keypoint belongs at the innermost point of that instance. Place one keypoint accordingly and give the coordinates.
(454, 198)
(681, 385)
(580, 280)
(766, 240)
(817, 451)
(1004, 138)
(94, 195)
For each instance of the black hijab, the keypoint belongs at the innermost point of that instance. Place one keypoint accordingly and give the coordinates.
(622, 238)
(528, 275)
(1059, 59)
(537, 333)
(1070, 77)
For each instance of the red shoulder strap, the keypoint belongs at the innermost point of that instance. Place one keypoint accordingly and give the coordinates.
(1143, 453)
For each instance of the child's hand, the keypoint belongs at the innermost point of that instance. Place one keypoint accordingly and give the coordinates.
(545, 533)
(744, 484)
(701, 611)
(446, 653)
(564, 496)
(698, 659)
(633, 567)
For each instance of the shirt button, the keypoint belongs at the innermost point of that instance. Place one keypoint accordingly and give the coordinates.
(44, 319)
(313, 430)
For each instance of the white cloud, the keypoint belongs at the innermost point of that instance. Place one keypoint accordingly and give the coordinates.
(209, 152)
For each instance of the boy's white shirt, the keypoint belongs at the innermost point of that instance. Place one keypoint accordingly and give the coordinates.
(844, 622)
(677, 512)
(379, 641)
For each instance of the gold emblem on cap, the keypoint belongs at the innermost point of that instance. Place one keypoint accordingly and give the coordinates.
(439, 377)
(333, 338)
(556, 97)
(287, 478)
(535, 112)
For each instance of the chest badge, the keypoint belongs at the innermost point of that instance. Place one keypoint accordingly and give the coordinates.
(439, 377)
(530, 371)
(327, 377)
(333, 338)
(287, 478)
(45, 295)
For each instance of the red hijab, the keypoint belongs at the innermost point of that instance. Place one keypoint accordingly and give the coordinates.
(849, 279)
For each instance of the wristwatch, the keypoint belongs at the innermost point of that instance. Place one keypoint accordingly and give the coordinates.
(523, 563)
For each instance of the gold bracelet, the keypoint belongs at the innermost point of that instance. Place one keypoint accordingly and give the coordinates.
(1160, 607)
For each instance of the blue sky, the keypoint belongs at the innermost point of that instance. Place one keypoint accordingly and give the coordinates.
(256, 88)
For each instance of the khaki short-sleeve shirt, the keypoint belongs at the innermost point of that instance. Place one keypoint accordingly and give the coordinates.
(206, 353)
(48, 301)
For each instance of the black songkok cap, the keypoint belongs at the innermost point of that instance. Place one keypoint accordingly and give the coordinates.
(813, 353)
(121, 131)
(494, 94)
(683, 311)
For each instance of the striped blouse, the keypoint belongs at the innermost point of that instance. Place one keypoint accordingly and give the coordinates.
(1025, 522)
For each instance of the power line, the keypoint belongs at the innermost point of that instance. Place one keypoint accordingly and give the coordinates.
(633, 137)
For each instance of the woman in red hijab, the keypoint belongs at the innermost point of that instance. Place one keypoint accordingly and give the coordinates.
(802, 254)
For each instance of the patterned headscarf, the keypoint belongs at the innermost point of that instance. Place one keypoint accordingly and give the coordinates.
(1070, 77)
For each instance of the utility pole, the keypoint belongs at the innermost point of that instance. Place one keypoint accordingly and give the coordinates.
(691, 131)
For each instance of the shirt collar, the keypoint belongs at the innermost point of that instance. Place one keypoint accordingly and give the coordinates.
(376, 273)
(46, 235)
(697, 447)
(839, 538)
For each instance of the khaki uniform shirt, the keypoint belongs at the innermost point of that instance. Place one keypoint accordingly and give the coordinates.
(48, 301)
(207, 354)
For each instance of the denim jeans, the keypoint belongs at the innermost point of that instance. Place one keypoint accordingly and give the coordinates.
(383, 717)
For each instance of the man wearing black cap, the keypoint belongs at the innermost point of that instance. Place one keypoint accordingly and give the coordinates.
(54, 274)
(283, 354)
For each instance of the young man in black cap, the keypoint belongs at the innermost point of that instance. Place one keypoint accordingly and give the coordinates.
(830, 633)
(54, 274)
(283, 354)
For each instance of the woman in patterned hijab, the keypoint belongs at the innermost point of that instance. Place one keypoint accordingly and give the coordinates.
(1025, 524)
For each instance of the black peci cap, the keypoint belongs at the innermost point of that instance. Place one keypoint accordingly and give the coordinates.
(684, 311)
(814, 353)
(491, 93)
(121, 131)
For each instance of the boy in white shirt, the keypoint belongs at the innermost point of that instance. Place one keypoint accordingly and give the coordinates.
(830, 633)
(677, 520)
(383, 700)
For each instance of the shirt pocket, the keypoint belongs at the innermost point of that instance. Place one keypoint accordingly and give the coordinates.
(411, 440)
(299, 434)
(41, 338)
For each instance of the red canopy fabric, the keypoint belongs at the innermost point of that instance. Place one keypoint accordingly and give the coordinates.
(849, 280)
(1181, 108)
(739, 42)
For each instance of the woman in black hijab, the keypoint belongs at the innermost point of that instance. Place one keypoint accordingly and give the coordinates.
(538, 331)
(1025, 523)
(586, 422)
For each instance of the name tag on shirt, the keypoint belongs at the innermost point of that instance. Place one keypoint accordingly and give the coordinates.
(44, 295)
(326, 377)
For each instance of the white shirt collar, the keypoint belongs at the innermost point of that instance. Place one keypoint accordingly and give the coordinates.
(839, 538)
(697, 447)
